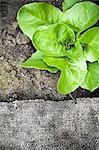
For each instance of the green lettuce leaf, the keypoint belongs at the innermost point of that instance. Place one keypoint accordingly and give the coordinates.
(82, 16)
(69, 3)
(52, 40)
(61, 43)
(36, 61)
(90, 38)
(72, 74)
(91, 81)
(32, 16)
(76, 51)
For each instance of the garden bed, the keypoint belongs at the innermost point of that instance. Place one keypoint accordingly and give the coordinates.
(19, 83)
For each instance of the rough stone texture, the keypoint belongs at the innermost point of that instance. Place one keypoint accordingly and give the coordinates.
(49, 125)
(15, 82)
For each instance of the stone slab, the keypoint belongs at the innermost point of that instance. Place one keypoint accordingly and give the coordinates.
(49, 125)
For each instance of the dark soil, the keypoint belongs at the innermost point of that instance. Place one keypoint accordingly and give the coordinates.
(16, 82)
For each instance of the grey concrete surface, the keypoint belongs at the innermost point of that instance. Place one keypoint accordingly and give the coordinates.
(49, 125)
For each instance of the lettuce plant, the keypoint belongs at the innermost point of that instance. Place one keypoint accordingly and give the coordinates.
(66, 41)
